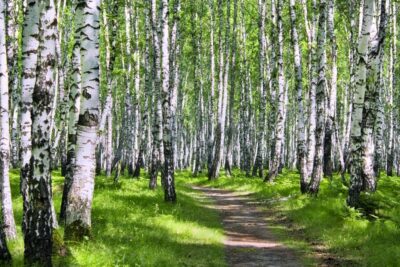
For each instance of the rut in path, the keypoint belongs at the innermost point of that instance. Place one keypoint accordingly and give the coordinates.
(248, 240)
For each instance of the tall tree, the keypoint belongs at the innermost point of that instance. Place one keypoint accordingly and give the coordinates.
(301, 131)
(30, 47)
(320, 57)
(219, 141)
(7, 223)
(75, 91)
(232, 84)
(280, 115)
(356, 166)
(38, 232)
(168, 173)
(80, 197)
(392, 88)
(157, 109)
(332, 95)
(259, 165)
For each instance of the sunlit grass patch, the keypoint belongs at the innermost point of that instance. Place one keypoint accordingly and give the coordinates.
(133, 226)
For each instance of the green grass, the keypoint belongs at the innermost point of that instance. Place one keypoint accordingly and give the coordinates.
(372, 240)
(132, 226)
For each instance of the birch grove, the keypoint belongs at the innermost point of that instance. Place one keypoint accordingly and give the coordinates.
(154, 90)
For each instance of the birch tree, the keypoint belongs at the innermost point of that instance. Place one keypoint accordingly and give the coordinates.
(222, 94)
(259, 165)
(73, 116)
(157, 109)
(301, 131)
(8, 223)
(332, 96)
(280, 117)
(232, 84)
(320, 56)
(39, 219)
(356, 166)
(168, 173)
(392, 88)
(80, 196)
(30, 47)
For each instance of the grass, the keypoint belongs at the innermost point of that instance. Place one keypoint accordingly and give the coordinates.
(356, 239)
(132, 226)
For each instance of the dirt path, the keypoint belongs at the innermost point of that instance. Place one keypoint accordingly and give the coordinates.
(248, 240)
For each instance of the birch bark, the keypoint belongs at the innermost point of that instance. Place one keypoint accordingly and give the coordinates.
(301, 131)
(320, 57)
(78, 219)
(30, 47)
(356, 166)
(259, 164)
(8, 222)
(168, 173)
(39, 218)
(280, 116)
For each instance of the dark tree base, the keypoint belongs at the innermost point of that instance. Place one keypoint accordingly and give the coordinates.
(77, 231)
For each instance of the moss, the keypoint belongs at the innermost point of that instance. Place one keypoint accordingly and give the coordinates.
(58, 246)
(77, 231)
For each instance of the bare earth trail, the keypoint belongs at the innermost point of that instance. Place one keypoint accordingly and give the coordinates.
(248, 240)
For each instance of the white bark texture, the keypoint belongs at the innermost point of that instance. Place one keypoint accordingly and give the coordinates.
(320, 57)
(356, 166)
(78, 219)
(280, 115)
(39, 217)
(6, 200)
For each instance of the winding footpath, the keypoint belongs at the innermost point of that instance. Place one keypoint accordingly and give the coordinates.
(248, 240)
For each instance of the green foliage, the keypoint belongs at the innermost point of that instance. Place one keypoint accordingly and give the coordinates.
(132, 226)
(368, 237)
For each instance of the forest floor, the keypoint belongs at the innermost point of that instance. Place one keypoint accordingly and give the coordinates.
(323, 230)
(133, 226)
(248, 241)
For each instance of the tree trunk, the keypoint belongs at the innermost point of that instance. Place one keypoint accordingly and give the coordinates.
(331, 105)
(232, 81)
(320, 57)
(157, 109)
(75, 91)
(13, 28)
(211, 123)
(30, 47)
(222, 95)
(301, 131)
(38, 233)
(280, 116)
(8, 222)
(392, 88)
(376, 44)
(356, 166)
(259, 164)
(168, 173)
(78, 219)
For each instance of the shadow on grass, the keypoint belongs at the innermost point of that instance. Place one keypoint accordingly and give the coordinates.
(133, 226)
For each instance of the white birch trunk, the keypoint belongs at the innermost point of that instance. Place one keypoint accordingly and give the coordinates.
(30, 46)
(320, 57)
(7, 218)
(80, 196)
(356, 166)
(280, 116)
(39, 216)
(301, 131)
